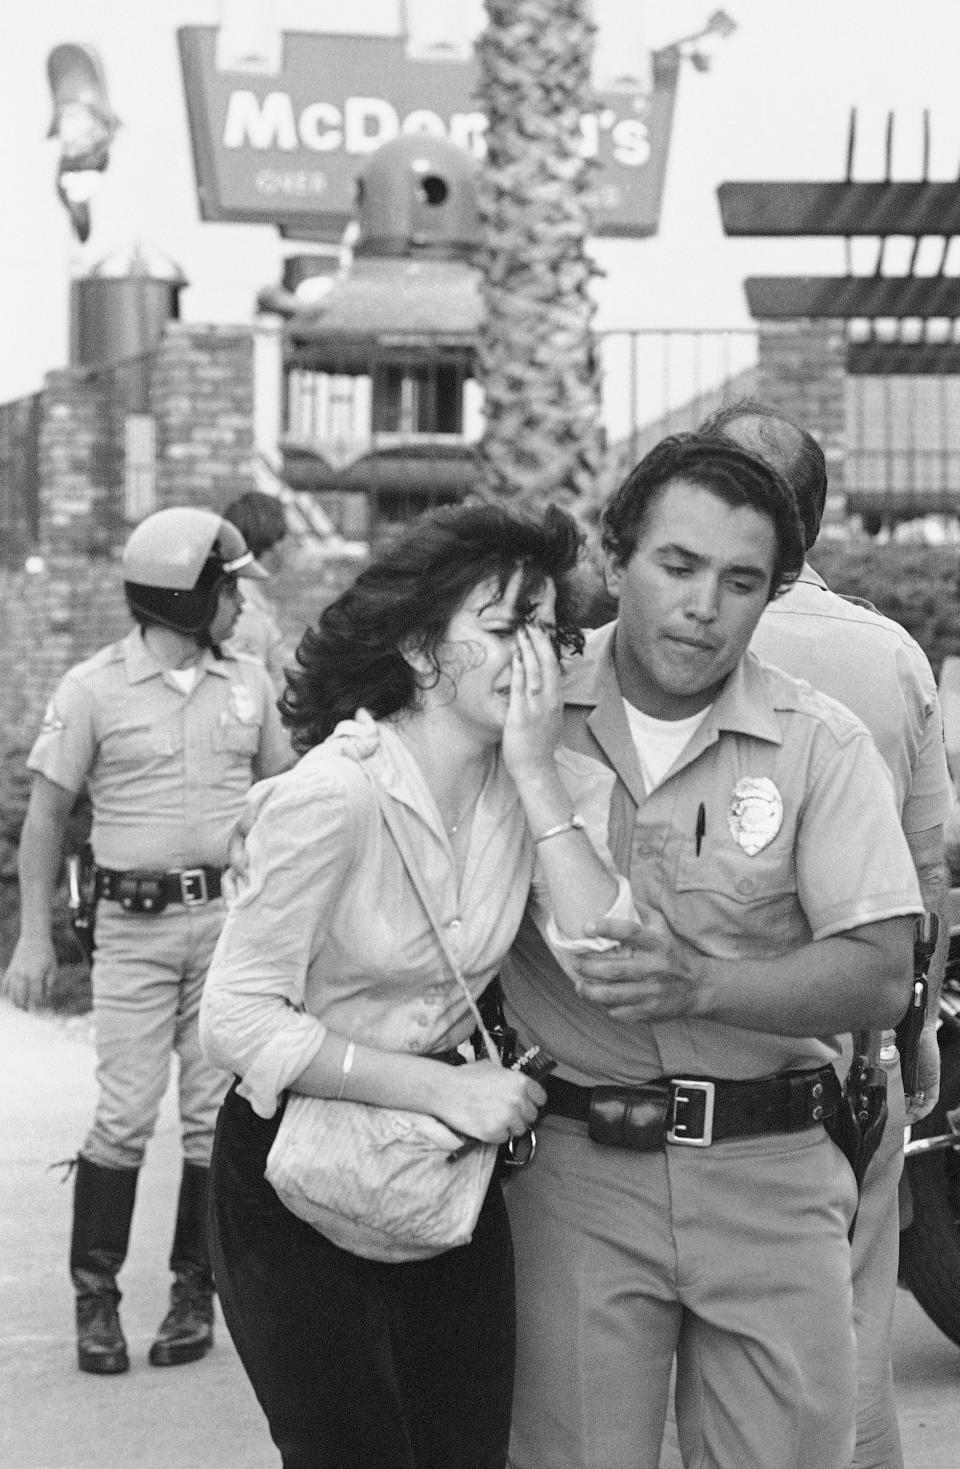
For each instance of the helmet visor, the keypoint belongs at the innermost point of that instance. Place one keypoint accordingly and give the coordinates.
(235, 558)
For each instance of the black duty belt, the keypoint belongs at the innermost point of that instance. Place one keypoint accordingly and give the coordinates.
(452, 1057)
(150, 892)
(694, 1112)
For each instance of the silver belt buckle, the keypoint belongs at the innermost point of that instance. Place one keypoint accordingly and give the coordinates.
(679, 1130)
(193, 887)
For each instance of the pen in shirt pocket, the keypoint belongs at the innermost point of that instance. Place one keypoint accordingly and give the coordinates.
(701, 827)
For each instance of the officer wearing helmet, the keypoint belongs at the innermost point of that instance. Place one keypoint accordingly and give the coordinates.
(166, 732)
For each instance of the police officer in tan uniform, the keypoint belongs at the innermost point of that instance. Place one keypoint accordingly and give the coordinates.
(262, 522)
(167, 734)
(875, 668)
(686, 1202)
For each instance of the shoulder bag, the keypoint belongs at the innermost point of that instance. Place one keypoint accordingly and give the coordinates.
(383, 1183)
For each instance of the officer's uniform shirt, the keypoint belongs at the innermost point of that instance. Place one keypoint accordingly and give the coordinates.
(800, 840)
(873, 666)
(167, 771)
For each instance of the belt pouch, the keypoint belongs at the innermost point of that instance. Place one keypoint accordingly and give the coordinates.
(632, 1117)
(141, 894)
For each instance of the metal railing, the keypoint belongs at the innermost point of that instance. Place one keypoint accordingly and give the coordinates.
(659, 381)
(902, 431)
(903, 445)
(655, 382)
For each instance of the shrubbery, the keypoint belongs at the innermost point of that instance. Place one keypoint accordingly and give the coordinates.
(915, 585)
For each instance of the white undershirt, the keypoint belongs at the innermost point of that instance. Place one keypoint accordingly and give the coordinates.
(184, 678)
(659, 742)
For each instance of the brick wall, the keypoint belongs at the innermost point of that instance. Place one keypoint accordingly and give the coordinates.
(802, 369)
(202, 401)
(199, 389)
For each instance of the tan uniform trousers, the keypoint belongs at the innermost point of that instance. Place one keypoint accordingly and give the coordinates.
(875, 1264)
(148, 976)
(732, 1258)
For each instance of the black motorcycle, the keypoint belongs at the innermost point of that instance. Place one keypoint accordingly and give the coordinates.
(930, 1188)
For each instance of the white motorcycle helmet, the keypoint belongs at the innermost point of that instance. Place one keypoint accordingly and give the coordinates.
(174, 565)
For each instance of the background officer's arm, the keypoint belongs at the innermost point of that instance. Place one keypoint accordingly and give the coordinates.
(276, 753)
(927, 851)
(33, 967)
(857, 980)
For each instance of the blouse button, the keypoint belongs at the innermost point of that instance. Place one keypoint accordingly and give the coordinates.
(746, 886)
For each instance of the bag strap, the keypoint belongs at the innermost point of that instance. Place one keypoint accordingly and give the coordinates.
(402, 842)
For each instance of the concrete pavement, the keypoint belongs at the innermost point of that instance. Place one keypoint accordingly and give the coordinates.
(926, 1375)
(203, 1416)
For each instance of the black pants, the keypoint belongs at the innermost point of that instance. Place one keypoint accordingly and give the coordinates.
(358, 1364)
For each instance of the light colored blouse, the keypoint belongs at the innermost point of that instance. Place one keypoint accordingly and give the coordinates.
(327, 930)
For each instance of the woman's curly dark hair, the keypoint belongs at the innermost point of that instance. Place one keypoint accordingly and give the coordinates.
(406, 597)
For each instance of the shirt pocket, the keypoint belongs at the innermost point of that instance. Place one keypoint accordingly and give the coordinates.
(749, 904)
(139, 745)
(235, 738)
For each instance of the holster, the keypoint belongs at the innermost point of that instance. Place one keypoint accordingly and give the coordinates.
(629, 1117)
(504, 1037)
(925, 934)
(908, 1037)
(81, 902)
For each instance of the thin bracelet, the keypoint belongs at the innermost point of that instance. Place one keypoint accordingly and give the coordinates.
(345, 1069)
(576, 823)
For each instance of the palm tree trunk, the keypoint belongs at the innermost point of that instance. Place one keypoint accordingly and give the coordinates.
(537, 361)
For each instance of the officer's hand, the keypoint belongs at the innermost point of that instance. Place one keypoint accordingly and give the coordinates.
(651, 975)
(238, 858)
(925, 1099)
(359, 736)
(31, 973)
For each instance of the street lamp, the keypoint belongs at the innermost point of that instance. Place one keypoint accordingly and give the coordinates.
(699, 46)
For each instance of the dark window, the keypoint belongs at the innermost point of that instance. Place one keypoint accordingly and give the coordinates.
(418, 400)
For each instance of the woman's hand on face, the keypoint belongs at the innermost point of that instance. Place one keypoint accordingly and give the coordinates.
(534, 715)
(490, 1102)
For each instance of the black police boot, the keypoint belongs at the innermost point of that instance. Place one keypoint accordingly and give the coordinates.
(186, 1332)
(102, 1210)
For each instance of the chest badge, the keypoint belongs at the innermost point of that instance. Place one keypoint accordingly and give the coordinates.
(242, 705)
(756, 813)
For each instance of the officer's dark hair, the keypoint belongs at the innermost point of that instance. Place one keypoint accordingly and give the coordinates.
(259, 518)
(405, 598)
(775, 437)
(727, 471)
